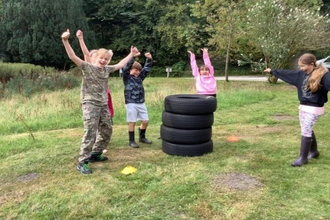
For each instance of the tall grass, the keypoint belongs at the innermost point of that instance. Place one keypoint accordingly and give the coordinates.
(250, 179)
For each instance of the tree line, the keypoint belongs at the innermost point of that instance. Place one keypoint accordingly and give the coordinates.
(252, 31)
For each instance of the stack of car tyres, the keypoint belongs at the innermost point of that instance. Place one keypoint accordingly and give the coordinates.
(186, 128)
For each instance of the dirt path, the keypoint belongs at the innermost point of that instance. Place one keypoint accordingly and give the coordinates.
(261, 78)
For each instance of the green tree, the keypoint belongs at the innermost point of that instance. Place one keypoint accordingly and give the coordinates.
(1, 9)
(159, 26)
(180, 31)
(31, 30)
(223, 20)
(325, 9)
(120, 24)
(281, 32)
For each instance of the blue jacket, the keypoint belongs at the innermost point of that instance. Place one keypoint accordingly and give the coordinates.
(299, 78)
(134, 90)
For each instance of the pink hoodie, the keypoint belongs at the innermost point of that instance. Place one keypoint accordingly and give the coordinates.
(110, 105)
(204, 84)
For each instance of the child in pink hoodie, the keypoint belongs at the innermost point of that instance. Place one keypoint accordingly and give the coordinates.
(206, 84)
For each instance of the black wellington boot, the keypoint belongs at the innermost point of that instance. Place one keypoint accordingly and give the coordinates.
(132, 142)
(314, 153)
(143, 139)
(304, 150)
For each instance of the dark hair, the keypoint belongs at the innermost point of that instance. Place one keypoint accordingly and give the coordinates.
(136, 65)
(204, 67)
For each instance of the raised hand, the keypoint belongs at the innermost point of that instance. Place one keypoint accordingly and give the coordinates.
(267, 70)
(66, 35)
(135, 51)
(204, 49)
(148, 55)
(79, 34)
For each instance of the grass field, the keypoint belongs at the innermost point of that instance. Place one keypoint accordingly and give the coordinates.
(250, 179)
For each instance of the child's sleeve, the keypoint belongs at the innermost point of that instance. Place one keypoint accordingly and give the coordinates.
(207, 62)
(289, 76)
(127, 67)
(110, 69)
(146, 69)
(84, 65)
(193, 65)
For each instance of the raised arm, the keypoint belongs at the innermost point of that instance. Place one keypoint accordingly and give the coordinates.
(147, 66)
(289, 76)
(69, 50)
(207, 61)
(83, 46)
(123, 62)
(127, 67)
(193, 64)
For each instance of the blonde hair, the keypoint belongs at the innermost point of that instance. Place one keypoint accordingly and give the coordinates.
(103, 52)
(314, 81)
(111, 53)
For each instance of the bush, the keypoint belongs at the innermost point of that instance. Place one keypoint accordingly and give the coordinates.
(13, 70)
(27, 79)
(157, 71)
(67, 81)
(28, 87)
(179, 66)
(75, 71)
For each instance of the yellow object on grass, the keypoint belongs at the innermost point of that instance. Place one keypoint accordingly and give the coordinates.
(128, 170)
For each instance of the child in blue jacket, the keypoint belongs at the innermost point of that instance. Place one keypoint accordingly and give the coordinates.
(133, 76)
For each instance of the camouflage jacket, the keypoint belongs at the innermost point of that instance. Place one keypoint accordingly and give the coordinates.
(95, 84)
